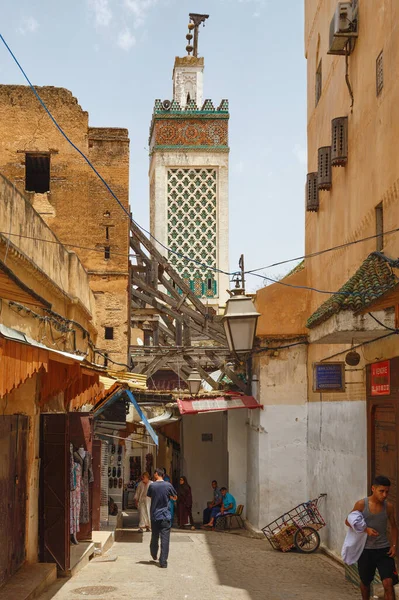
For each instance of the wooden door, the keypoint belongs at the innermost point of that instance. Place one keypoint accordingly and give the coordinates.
(19, 442)
(13, 463)
(384, 451)
(54, 490)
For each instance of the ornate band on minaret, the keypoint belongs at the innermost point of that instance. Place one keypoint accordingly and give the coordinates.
(189, 156)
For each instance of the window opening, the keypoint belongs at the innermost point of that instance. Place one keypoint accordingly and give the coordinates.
(37, 173)
(379, 227)
(379, 73)
(105, 354)
(109, 333)
(107, 232)
(209, 283)
(188, 97)
(107, 252)
(319, 82)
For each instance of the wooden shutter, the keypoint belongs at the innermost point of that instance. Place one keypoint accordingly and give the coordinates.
(312, 193)
(339, 142)
(324, 179)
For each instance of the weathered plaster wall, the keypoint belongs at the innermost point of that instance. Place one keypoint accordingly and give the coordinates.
(237, 443)
(337, 462)
(204, 461)
(78, 208)
(347, 212)
(277, 479)
(337, 422)
(283, 310)
(26, 228)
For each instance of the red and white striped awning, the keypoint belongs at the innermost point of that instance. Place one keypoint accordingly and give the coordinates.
(227, 402)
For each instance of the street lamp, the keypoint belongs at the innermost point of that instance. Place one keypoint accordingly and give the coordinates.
(240, 318)
(194, 382)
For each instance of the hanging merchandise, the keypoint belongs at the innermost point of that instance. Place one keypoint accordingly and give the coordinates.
(75, 492)
(135, 467)
(149, 462)
(87, 477)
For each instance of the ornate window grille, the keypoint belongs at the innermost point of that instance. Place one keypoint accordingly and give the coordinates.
(324, 177)
(312, 193)
(339, 142)
(192, 227)
(379, 72)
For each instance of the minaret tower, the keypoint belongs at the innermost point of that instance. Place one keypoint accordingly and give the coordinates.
(189, 164)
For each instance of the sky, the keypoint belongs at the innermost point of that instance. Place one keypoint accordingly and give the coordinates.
(117, 56)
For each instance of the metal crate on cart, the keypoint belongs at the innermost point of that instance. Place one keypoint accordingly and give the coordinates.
(298, 528)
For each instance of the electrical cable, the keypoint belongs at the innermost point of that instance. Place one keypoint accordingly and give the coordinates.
(28, 237)
(92, 167)
(110, 359)
(252, 272)
(382, 324)
(319, 252)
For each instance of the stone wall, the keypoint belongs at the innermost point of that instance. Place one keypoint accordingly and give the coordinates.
(77, 207)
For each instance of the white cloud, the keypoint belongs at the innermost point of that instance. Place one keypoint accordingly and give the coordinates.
(301, 154)
(102, 12)
(256, 15)
(29, 25)
(139, 10)
(126, 40)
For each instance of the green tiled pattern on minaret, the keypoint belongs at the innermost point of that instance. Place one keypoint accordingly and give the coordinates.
(192, 226)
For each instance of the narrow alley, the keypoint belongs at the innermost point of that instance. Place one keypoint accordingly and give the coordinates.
(203, 565)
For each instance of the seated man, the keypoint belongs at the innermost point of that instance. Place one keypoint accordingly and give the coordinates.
(228, 507)
(217, 501)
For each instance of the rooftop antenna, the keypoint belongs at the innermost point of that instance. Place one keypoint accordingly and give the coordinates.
(195, 22)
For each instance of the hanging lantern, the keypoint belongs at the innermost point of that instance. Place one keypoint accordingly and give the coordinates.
(194, 382)
(239, 321)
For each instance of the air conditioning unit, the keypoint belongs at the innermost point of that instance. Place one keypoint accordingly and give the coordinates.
(343, 28)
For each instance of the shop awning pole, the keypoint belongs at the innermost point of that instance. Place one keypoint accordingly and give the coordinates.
(142, 416)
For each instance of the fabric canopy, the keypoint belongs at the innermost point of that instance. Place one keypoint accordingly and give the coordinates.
(228, 402)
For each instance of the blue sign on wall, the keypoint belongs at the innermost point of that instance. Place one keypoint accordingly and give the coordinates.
(329, 377)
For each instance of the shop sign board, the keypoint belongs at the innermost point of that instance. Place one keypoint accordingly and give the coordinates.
(380, 378)
(329, 377)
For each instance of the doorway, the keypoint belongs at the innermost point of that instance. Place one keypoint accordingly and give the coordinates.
(13, 467)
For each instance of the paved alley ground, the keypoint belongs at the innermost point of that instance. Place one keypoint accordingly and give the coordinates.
(202, 566)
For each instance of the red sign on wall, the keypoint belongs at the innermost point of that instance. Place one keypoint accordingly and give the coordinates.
(380, 379)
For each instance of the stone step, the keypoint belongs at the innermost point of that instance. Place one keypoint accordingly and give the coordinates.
(103, 540)
(29, 582)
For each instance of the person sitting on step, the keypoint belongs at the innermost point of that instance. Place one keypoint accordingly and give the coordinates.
(228, 507)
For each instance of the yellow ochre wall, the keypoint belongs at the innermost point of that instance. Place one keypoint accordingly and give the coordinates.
(76, 206)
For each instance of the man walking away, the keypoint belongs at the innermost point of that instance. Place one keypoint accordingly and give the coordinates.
(378, 553)
(160, 493)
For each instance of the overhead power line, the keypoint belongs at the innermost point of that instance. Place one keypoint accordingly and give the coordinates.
(253, 272)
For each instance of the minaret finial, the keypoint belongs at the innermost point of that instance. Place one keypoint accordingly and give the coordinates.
(195, 22)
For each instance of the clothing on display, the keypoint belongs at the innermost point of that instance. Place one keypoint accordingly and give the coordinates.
(75, 492)
(87, 477)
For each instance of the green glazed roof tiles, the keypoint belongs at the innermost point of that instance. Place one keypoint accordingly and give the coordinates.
(373, 279)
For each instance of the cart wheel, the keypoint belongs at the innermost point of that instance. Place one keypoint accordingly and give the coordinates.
(307, 540)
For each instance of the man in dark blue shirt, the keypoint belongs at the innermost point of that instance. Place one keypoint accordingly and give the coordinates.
(160, 493)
